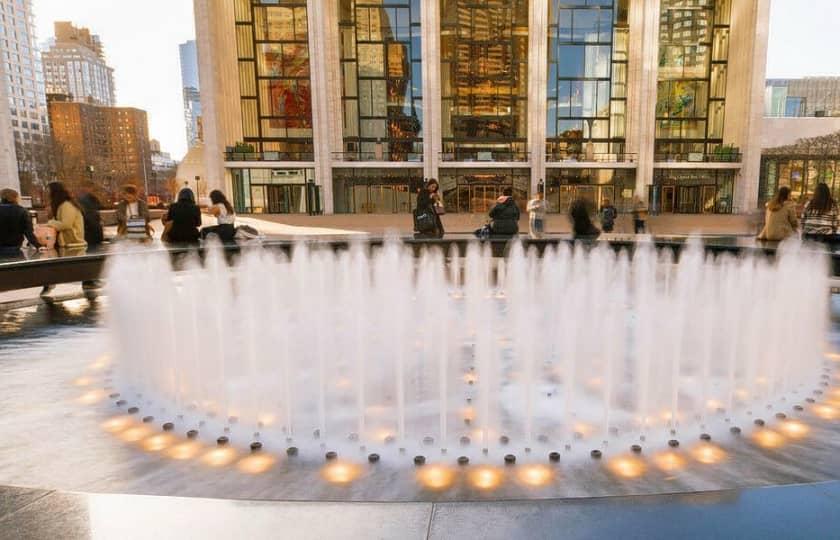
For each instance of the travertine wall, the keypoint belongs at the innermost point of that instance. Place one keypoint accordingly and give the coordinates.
(8, 157)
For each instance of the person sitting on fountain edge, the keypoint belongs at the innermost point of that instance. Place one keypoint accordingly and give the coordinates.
(505, 215)
(15, 224)
(582, 226)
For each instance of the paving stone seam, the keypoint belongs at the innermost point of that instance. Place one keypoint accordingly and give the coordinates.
(5, 517)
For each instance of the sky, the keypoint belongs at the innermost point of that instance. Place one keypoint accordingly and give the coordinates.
(141, 43)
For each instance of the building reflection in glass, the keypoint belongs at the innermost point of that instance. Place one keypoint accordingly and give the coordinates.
(376, 191)
(563, 186)
(587, 80)
(276, 97)
(382, 79)
(275, 191)
(476, 190)
(691, 94)
(484, 79)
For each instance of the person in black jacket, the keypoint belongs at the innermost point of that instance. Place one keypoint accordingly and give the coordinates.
(505, 215)
(183, 219)
(15, 224)
(428, 201)
(90, 211)
(582, 226)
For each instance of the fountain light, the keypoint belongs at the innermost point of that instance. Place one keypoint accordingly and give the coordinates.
(136, 433)
(343, 383)
(485, 478)
(92, 396)
(535, 475)
(626, 467)
(470, 378)
(183, 451)
(761, 380)
(101, 363)
(583, 429)
(117, 424)
(826, 412)
(594, 383)
(159, 442)
(83, 381)
(219, 457)
(794, 429)
(340, 472)
(834, 357)
(669, 461)
(713, 404)
(256, 463)
(436, 477)
(742, 394)
(266, 419)
(767, 438)
(708, 454)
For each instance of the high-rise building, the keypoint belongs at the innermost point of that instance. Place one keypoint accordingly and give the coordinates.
(75, 65)
(24, 86)
(108, 145)
(347, 106)
(192, 91)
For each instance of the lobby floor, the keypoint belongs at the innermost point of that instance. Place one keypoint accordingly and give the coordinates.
(778, 512)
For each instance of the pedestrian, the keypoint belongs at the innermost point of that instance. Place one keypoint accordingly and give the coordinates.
(505, 215)
(582, 226)
(608, 216)
(427, 222)
(640, 214)
(133, 217)
(15, 224)
(182, 220)
(225, 218)
(820, 216)
(89, 202)
(69, 223)
(66, 217)
(537, 209)
(780, 218)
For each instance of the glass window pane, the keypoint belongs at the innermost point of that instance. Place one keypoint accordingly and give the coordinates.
(585, 25)
(598, 59)
(572, 61)
(371, 60)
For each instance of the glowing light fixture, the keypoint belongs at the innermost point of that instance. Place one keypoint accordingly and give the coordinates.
(626, 467)
(794, 429)
(767, 438)
(708, 454)
(535, 475)
(219, 457)
(485, 478)
(256, 463)
(340, 472)
(435, 477)
(669, 461)
(183, 451)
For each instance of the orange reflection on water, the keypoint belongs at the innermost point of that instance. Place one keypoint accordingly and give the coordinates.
(826, 412)
(435, 477)
(340, 472)
(485, 477)
(116, 424)
(136, 433)
(669, 461)
(219, 457)
(626, 466)
(256, 463)
(185, 450)
(535, 475)
(708, 454)
(767, 438)
(158, 442)
(794, 429)
(83, 381)
(91, 397)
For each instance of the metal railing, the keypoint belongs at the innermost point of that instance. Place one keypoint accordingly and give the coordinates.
(416, 157)
(486, 157)
(568, 157)
(698, 157)
(269, 156)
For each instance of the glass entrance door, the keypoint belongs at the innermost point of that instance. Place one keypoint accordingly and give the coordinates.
(708, 194)
(483, 197)
(668, 199)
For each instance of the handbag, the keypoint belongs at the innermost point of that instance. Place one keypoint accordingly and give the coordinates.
(440, 209)
(46, 236)
(424, 221)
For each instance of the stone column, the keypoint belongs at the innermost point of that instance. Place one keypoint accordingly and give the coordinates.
(537, 88)
(432, 135)
(8, 155)
(323, 29)
(643, 64)
(749, 32)
(218, 69)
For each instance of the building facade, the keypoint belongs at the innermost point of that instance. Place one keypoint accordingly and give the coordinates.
(108, 145)
(807, 97)
(191, 92)
(347, 106)
(24, 87)
(75, 65)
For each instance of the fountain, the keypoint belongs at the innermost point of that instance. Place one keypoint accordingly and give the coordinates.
(580, 349)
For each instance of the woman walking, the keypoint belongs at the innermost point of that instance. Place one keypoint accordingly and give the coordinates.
(225, 218)
(780, 219)
(820, 216)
